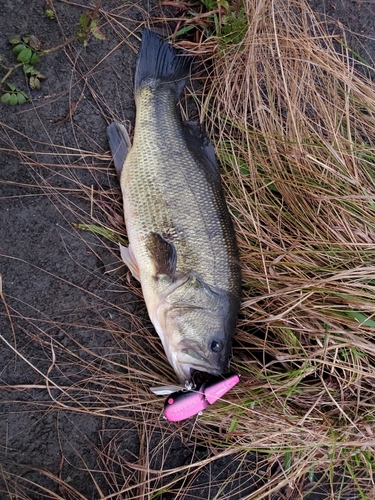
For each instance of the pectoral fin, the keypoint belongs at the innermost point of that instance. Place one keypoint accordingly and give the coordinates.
(119, 142)
(129, 259)
(164, 255)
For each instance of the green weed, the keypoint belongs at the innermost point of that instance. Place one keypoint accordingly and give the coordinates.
(87, 26)
(14, 95)
(49, 14)
(101, 231)
(225, 20)
(28, 53)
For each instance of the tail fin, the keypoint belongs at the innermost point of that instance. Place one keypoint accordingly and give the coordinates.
(160, 62)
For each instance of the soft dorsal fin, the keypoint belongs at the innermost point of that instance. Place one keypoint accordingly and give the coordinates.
(164, 255)
(119, 142)
(200, 145)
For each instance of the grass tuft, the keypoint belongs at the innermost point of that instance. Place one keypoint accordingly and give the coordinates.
(293, 119)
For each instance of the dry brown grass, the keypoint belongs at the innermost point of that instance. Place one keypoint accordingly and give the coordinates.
(294, 122)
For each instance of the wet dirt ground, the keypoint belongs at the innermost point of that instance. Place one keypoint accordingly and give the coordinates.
(65, 285)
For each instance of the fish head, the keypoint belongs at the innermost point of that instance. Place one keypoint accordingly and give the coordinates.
(198, 339)
(196, 324)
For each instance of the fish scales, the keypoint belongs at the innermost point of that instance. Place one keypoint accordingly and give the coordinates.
(182, 244)
(173, 195)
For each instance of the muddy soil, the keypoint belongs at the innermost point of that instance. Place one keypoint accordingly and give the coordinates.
(63, 287)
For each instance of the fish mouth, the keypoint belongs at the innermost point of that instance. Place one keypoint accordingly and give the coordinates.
(187, 372)
(191, 361)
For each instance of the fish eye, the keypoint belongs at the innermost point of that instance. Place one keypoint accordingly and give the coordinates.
(216, 346)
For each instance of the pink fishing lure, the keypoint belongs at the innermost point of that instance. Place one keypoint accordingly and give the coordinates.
(184, 404)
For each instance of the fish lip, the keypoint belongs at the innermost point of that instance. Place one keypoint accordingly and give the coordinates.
(198, 361)
(192, 371)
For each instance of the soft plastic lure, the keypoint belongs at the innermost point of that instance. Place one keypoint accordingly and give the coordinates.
(187, 403)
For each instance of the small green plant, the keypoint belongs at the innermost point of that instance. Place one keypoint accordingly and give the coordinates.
(13, 95)
(87, 26)
(27, 49)
(220, 18)
(49, 14)
(28, 53)
(234, 26)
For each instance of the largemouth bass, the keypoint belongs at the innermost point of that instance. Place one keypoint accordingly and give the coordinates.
(182, 245)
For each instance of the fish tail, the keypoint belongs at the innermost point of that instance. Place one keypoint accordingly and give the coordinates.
(159, 62)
